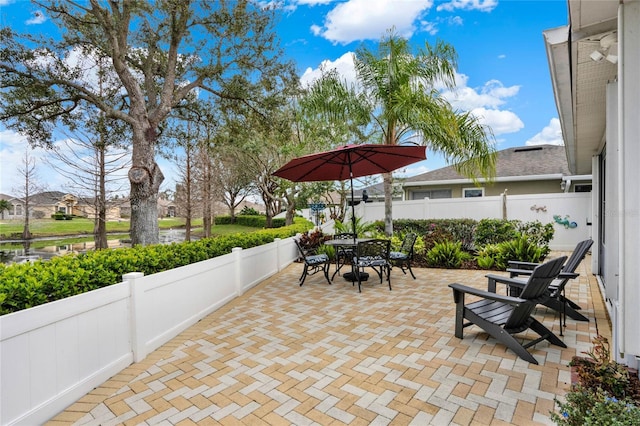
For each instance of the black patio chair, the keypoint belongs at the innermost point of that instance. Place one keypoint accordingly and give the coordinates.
(503, 316)
(313, 263)
(372, 254)
(343, 254)
(404, 256)
(557, 300)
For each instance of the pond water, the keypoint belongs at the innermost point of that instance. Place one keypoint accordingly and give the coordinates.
(19, 251)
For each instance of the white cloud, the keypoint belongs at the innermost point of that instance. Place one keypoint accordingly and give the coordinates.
(370, 19)
(429, 27)
(550, 135)
(12, 151)
(344, 66)
(416, 169)
(500, 121)
(37, 18)
(492, 94)
(313, 2)
(481, 5)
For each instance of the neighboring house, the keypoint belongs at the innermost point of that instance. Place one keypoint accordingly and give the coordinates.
(538, 169)
(45, 204)
(375, 193)
(16, 207)
(166, 207)
(595, 71)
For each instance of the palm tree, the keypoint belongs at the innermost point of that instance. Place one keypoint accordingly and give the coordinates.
(398, 91)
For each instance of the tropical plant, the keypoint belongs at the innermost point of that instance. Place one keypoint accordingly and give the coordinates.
(436, 234)
(397, 94)
(312, 240)
(447, 254)
(521, 249)
(362, 228)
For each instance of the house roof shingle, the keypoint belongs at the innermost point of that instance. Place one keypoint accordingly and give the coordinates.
(519, 161)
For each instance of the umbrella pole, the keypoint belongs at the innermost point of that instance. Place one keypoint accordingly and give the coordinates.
(353, 207)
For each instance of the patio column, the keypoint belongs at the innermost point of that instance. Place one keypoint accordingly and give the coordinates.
(628, 175)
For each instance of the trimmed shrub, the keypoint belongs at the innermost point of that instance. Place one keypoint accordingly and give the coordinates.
(26, 285)
(493, 231)
(254, 221)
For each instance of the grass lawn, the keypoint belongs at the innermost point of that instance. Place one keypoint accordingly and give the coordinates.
(10, 229)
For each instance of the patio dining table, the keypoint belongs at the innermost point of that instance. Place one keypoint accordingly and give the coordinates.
(346, 244)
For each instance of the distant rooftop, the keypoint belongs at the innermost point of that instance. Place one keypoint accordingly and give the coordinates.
(519, 161)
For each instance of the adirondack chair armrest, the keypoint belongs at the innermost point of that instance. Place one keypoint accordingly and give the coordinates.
(459, 290)
(510, 281)
(517, 264)
(515, 272)
(571, 275)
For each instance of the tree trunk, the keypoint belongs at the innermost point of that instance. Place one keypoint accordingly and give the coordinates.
(26, 233)
(388, 204)
(100, 236)
(269, 219)
(145, 177)
(207, 196)
(289, 217)
(100, 226)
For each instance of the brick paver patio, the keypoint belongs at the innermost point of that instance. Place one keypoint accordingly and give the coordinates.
(319, 354)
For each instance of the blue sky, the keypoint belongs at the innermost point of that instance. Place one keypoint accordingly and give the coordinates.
(503, 74)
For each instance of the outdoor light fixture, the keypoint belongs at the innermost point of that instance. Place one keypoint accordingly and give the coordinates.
(608, 49)
(596, 56)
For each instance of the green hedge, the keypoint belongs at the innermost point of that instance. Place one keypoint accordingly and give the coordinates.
(26, 285)
(250, 220)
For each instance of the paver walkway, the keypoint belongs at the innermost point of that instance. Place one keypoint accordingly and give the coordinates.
(319, 354)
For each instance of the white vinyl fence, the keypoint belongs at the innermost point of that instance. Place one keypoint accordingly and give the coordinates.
(574, 208)
(52, 355)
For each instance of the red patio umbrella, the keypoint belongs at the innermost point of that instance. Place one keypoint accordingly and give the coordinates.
(351, 161)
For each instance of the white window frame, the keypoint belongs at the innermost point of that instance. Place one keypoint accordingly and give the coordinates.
(464, 192)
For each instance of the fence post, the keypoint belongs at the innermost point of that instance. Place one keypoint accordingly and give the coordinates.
(278, 241)
(135, 301)
(237, 260)
(504, 205)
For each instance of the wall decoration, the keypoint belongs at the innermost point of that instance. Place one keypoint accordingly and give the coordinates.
(564, 221)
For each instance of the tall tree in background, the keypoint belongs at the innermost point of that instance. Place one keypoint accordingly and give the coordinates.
(185, 135)
(30, 185)
(160, 51)
(233, 178)
(93, 156)
(95, 165)
(397, 89)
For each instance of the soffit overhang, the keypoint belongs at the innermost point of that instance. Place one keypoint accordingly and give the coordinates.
(579, 83)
